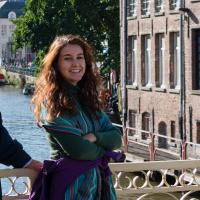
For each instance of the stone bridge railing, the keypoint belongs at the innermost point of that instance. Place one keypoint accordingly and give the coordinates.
(176, 180)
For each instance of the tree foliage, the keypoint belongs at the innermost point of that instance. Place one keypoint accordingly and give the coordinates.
(95, 20)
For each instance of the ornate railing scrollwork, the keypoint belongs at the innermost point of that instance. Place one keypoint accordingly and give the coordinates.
(18, 182)
(175, 179)
(139, 181)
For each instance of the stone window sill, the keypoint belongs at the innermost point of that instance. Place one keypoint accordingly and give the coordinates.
(160, 89)
(145, 88)
(174, 91)
(173, 12)
(133, 87)
(195, 92)
(132, 17)
(162, 13)
(145, 16)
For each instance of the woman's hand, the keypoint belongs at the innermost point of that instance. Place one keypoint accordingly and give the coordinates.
(90, 137)
(36, 165)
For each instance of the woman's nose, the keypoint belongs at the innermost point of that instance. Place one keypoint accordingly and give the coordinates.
(75, 61)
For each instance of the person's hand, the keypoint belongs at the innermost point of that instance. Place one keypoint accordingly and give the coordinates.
(36, 165)
(90, 137)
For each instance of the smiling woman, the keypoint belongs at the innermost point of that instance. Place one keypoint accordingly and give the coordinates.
(81, 136)
(71, 63)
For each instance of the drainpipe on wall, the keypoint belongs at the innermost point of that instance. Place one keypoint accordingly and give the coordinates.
(124, 67)
(182, 115)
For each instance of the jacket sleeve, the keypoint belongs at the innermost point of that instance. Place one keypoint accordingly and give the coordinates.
(108, 136)
(68, 137)
(76, 147)
(11, 151)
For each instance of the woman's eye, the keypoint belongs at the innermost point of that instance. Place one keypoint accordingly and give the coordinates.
(80, 57)
(67, 58)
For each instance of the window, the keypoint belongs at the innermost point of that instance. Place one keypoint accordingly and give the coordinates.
(174, 60)
(11, 28)
(196, 59)
(162, 130)
(190, 123)
(146, 60)
(11, 15)
(3, 30)
(132, 55)
(159, 6)
(132, 122)
(145, 7)
(145, 125)
(159, 59)
(173, 130)
(198, 132)
(131, 8)
(174, 4)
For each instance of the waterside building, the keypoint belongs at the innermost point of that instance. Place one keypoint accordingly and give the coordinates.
(160, 74)
(9, 11)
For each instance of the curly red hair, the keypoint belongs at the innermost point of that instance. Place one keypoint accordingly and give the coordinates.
(51, 87)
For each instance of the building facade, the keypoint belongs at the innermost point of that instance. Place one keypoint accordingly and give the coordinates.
(10, 10)
(162, 45)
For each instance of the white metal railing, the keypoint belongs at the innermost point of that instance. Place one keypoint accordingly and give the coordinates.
(184, 183)
(126, 180)
(14, 178)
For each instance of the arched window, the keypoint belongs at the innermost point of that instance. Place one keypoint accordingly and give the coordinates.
(145, 125)
(11, 15)
(162, 130)
(132, 121)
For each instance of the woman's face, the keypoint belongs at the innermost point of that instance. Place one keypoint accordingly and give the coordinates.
(71, 63)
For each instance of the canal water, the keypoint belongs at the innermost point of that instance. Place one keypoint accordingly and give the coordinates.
(18, 119)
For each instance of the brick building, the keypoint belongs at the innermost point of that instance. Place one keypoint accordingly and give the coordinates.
(159, 49)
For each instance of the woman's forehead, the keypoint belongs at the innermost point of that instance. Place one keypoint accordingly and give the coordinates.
(71, 49)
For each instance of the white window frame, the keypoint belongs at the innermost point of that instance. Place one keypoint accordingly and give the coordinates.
(159, 6)
(132, 8)
(161, 61)
(134, 60)
(147, 60)
(145, 7)
(176, 59)
(174, 4)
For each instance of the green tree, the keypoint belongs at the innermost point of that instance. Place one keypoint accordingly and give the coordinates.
(96, 20)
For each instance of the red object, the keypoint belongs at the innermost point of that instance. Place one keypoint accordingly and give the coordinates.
(2, 78)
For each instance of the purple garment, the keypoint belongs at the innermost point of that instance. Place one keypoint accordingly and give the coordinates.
(55, 176)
